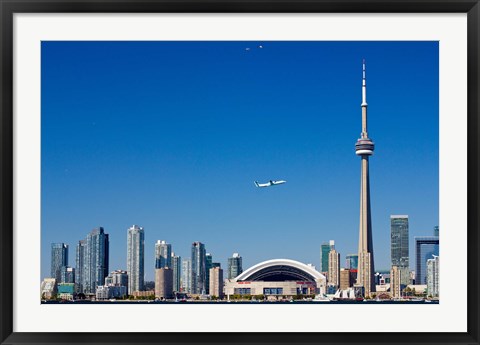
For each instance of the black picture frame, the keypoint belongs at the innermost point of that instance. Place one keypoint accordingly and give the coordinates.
(9, 7)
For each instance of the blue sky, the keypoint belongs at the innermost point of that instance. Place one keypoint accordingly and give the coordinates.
(171, 136)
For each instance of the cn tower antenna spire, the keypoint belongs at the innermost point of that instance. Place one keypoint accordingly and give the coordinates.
(364, 86)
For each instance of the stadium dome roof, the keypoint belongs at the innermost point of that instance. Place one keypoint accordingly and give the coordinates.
(280, 270)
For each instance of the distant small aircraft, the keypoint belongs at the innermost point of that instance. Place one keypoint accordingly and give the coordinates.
(269, 183)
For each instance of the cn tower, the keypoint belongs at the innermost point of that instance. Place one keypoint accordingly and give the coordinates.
(364, 148)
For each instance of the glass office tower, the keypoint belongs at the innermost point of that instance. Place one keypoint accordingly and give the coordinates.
(234, 266)
(95, 261)
(399, 246)
(199, 275)
(163, 254)
(425, 249)
(59, 260)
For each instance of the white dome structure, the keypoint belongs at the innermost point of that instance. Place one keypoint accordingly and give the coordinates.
(279, 277)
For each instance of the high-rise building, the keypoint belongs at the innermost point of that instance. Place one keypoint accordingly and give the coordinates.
(352, 261)
(345, 281)
(334, 268)
(412, 277)
(364, 148)
(177, 271)
(59, 259)
(216, 282)
(234, 266)
(433, 268)
(163, 254)
(186, 280)
(79, 266)
(164, 283)
(325, 250)
(425, 247)
(95, 261)
(208, 265)
(399, 246)
(395, 285)
(135, 258)
(435, 231)
(67, 275)
(118, 278)
(199, 275)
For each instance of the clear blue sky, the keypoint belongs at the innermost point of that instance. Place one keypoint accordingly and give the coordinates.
(171, 136)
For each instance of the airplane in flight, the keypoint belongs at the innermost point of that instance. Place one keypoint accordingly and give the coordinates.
(269, 183)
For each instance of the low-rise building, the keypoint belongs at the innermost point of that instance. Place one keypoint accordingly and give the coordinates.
(105, 292)
(48, 288)
(143, 294)
(117, 278)
(164, 283)
(345, 281)
(66, 291)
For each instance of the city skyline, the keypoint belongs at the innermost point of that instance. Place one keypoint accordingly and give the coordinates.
(311, 206)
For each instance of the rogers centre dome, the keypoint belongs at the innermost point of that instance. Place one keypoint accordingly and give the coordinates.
(278, 277)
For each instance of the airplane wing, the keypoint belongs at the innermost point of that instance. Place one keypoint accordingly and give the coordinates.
(269, 183)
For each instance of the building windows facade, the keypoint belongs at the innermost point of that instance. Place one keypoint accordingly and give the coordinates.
(135, 258)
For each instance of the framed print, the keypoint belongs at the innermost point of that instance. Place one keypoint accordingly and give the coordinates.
(187, 172)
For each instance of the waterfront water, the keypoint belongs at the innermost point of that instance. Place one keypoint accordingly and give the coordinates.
(242, 302)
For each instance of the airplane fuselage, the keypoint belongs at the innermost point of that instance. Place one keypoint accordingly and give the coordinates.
(269, 183)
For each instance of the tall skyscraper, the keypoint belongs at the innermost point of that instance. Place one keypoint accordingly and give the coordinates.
(352, 261)
(425, 248)
(234, 266)
(79, 266)
(208, 265)
(399, 246)
(135, 258)
(59, 259)
(199, 275)
(334, 268)
(433, 268)
(325, 250)
(216, 282)
(95, 262)
(435, 231)
(163, 254)
(186, 280)
(177, 271)
(364, 148)
(67, 275)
